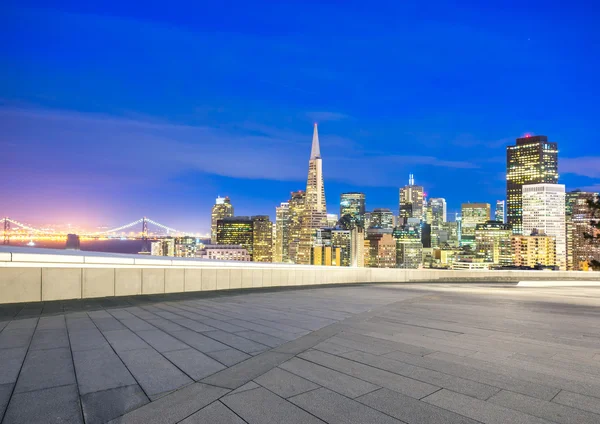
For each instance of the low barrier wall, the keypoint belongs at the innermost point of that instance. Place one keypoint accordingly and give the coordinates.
(32, 275)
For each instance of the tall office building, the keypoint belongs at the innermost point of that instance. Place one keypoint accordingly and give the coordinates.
(493, 242)
(580, 249)
(222, 209)
(411, 201)
(315, 210)
(409, 248)
(262, 239)
(353, 204)
(533, 160)
(236, 230)
(437, 205)
(297, 205)
(473, 214)
(315, 188)
(342, 238)
(382, 218)
(282, 233)
(544, 211)
(499, 214)
(435, 217)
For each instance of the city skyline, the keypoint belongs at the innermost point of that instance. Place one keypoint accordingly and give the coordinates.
(112, 150)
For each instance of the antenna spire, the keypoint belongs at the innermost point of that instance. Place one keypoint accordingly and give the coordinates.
(315, 152)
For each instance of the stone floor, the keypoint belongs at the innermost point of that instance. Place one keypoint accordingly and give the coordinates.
(394, 353)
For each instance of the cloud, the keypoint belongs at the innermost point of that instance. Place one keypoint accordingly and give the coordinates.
(326, 116)
(595, 188)
(433, 161)
(140, 151)
(587, 166)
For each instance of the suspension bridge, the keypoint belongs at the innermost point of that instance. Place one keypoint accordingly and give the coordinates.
(14, 228)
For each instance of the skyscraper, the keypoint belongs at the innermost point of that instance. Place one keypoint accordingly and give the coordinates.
(315, 189)
(262, 239)
(409, 247)
(580, 250)
(342, 238)
(353, 204)
(544, 211)
(411, 201)
(315, 210)
(493, 242)
(222, 209)
(438, 210)
(499, 214)
(473, 214)
(282, 233)
(532, 160)
(382, 218)
(237, 230)
(297, 205)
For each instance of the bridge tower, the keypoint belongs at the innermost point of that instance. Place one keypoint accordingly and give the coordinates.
(144, 234)
(6, 231)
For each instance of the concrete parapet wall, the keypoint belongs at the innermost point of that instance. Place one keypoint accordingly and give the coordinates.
(33, 275)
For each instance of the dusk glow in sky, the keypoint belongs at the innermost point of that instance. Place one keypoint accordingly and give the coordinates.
(109, 112)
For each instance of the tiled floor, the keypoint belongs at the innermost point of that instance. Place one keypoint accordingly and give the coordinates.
(356, 354)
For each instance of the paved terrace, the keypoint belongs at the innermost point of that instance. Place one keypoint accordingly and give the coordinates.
(387, 353)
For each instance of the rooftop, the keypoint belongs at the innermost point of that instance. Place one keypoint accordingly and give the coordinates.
(385, 353)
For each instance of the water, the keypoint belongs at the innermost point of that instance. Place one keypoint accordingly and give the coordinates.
(111, 246)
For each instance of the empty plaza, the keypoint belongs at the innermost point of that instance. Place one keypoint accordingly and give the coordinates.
(378, 353)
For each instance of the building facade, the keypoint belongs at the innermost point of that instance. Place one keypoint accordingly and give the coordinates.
(262, 239)
(532, 160)
(493, 243)
(325, 255)
(473, 214)
(222, 209)
(224, 252)
(163, 247)
(544, 211)
(296, 205)
(237, 230)
(185, 247)
(437, 206)
(332, 220)
(353, 204)
(342, 239)
(315, 209)
(448, 234)
(581, 250)
(499, 214)
(380, 250)
(382, 218)
(281, 235)
(411, 204)
(534, 251)
(409, 248)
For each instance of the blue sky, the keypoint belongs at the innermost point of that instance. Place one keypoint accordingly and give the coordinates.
(112, 111)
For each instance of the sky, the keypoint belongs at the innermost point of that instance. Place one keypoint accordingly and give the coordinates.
(114, 110)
